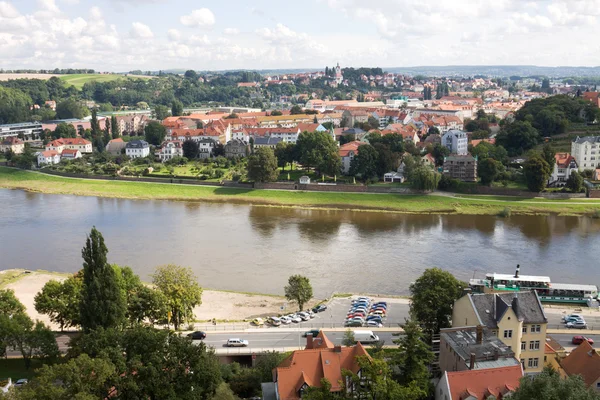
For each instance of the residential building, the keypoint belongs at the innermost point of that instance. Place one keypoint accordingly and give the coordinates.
(270, 142)
(554, 353)
(70, 154)
(306, 368)
(586, 151)
(115, 146)
(428, 160)
(26, 130)
(347, 153)
(326, 105)
(456, 141)
(12, 143)
(170, 149)
(133, 123)
(236, 148)
(517, 319)
(564, 165)
(584, 361)
(137, 149)
(83, 145)
(284, 121)
(206, 146)
(352, 117)
(470, 347)
(463, 168)
(334, 117)
(483, 384)
(287, 135)
(48, 157)
(593, 97)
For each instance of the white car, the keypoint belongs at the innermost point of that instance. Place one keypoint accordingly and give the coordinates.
(374, 324)
(236, 343)
(285, 320)
(311, 313)
(295, 318)
(304, 316)
(565, 317)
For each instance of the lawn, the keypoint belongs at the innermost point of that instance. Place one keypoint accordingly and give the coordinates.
(14, 368)
(464, 204)
(78, 80)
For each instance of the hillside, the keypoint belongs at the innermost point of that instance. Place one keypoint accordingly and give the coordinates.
(78, 80)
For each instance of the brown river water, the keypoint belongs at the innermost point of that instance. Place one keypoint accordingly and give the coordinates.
(255, 249)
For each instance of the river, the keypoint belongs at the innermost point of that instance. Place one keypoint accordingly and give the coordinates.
(255, 249)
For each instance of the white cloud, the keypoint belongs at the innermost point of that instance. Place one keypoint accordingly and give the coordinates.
(231, 31)
(70, 2)
(7, 10)
(141, 31)
(202, 17)
(199, 40)
(174, 35)
(48, 5)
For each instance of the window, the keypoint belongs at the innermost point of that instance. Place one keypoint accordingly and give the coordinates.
(536, 328)
(524, 329)
(508, 334)
(532, 363)
(534, 345)
(523, 346)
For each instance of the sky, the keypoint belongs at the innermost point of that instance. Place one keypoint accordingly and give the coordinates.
(124, 35)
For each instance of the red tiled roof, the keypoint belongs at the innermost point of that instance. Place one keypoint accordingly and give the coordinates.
(583, 361)
(117, 140)
(348, 147)
(477, 141)
(308, 127)
(11, 141)
(49, 153)
(67, 152)
(69, 141)
(563, 159)
(483, 383)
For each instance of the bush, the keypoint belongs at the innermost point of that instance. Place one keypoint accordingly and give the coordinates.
(448, 184)
(236, 177)
(218, 173)
(505, 213)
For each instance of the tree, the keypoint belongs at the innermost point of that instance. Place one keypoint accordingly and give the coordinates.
(296, 110)
(191, 149)
(191, 75)
(61, 301)
(548, 154)
(433, 296)
(71, 108)
(103, 302)
(488, 170)
(348, 339)
(246, 383)
(575, 182)
(64, 130)
(155, 133)
(161, 112)
(299, 290)
(373, 122)
(549, 385)
(31, 340)
(537, 172)
(218, 150)
(262, 166)
(146, 304)
(487, 150)
(176, 108)
(424, 178)
(284, 154)
(439, 153)
(322, 392)
(180, 287)
(26, 159)
(14, 105)
(266, 362)
(365, 163)
(276, 113)
(114, 127)
(347, 139)
(106, 137)
(517, 137)
(318, 150)
(94, 124)
(413, 357)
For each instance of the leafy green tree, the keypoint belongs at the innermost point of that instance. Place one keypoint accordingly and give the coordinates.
(155, 133)
(387, 160)
(480, 134)
(284, 153)
(365, 164)
(32, 340)
(191, 149)
(224, 392)
(14, 105)
(180, 287)
(537, 172)
(114, 127)
(488, 170)
(518, 137)
(296, 110)
(161, 112)
(433, 295)
(246, 383)
(575, 182)
(276, 113)
(266, 362)
(347, 139)
(299, 290)
(26, 159)
(424, 178)
(549, 385)
(64, 130)
(439, 153)
(61, 301)
(103, 303)
(262, 166)
(373, 122)
(548, 154)
(71, 108)
(318, 150)
(322, 392)
(146, 304)
(487, 150)
(413, 357)
(94, 124)
(176, 108)
(348, 339)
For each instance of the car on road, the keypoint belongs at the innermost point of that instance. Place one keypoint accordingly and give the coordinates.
(285, 320)
(258, 321)
(237, 343)
(295, 318)
(198, 335)
(353, 323)
(577, 325)
(304, 316)
(565, 317)
(573, 318)
(274, 321)
(21, 382)
(581, 339)
(319, 308)
(313, 332)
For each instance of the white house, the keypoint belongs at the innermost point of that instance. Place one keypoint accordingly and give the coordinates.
(586, 151)
(206, 147)
(170, 149)
(137, 149)
(564, 165)
(70, 154)
(347, 153)
(48, 157)
(58, 145)
(456, 141)
(304, 180)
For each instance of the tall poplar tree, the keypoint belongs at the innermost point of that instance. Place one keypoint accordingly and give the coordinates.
(114, 126)
(102, 302)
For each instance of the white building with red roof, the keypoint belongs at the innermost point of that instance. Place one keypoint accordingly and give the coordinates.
(70, 154)
(564, 165)
(479, 384)
(58, 145)
(347, 153)
(48, 157)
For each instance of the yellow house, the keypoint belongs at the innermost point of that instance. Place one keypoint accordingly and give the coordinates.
(517, 319)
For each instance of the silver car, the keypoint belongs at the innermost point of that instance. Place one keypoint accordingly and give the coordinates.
(237, 343)
(577, 325)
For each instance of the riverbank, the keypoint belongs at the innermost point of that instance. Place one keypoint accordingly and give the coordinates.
(416, 204)
(221, 305)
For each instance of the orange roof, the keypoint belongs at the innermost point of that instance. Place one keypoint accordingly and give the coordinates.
(308, 127)
(49, 153)
(563, 159)
(69, 141)
(12, 140)
(309, 366)
(117, 140)
(477, 141)
(583, 361)
(483, 383)
(348, 147)
(70, 151)
(548, 349)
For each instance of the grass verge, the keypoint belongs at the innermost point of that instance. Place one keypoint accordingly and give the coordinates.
(416, 204)
(14, 368)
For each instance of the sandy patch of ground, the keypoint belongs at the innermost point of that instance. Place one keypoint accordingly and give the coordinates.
(6, 77)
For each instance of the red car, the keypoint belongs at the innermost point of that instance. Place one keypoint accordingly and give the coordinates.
(580, 339)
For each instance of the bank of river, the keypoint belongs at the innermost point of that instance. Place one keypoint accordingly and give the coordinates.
(418, 204)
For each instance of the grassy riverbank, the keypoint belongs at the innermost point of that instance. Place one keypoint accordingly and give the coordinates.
(36, 182)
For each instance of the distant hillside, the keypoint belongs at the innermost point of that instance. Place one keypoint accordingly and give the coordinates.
(78, 80)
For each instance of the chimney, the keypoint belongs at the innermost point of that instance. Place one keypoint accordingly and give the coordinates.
(517, 271)
(479, 334)
(472, 362)
(496, 354)
(337, 349)
(309, 341)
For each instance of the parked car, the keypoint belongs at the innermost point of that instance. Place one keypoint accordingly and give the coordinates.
(295, 318)
(304, 316)
(313, 332)
(319, 308)
(353, 323)
(572, 318)
(285, 320)
(310, 313)
(577, 325)
(258, 321)
(379, 308)
(21, 382)
(236, 343)
(274, 321)
(375, 318)
(358, 309)
(363, 298)
(373, 323)
(581, 339)
(377, 312)
(198, 335)
(565, 317)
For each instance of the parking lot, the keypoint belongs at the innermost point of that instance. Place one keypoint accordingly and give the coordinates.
(397, 310)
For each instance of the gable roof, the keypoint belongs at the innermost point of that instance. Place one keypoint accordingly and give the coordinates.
(583, 361)
(483, 383)
(69, 152)
(49, 153)
(137, 144)
(345, 149)
(491, 307)
(563, 159)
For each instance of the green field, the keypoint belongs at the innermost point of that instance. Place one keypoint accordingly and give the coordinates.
(464, 204)
(78, 80)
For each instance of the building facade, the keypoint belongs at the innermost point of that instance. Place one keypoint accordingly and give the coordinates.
(27, 130)
(586, 151)
(456, 141)
(236, 148)
(137, 149)
(564, 165)
(347, 153)
(48, 157)
(170, 149)
(58, 145)
(12, 143)
(463, 168)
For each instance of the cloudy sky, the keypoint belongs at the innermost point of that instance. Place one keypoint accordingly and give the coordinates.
(121, 35)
